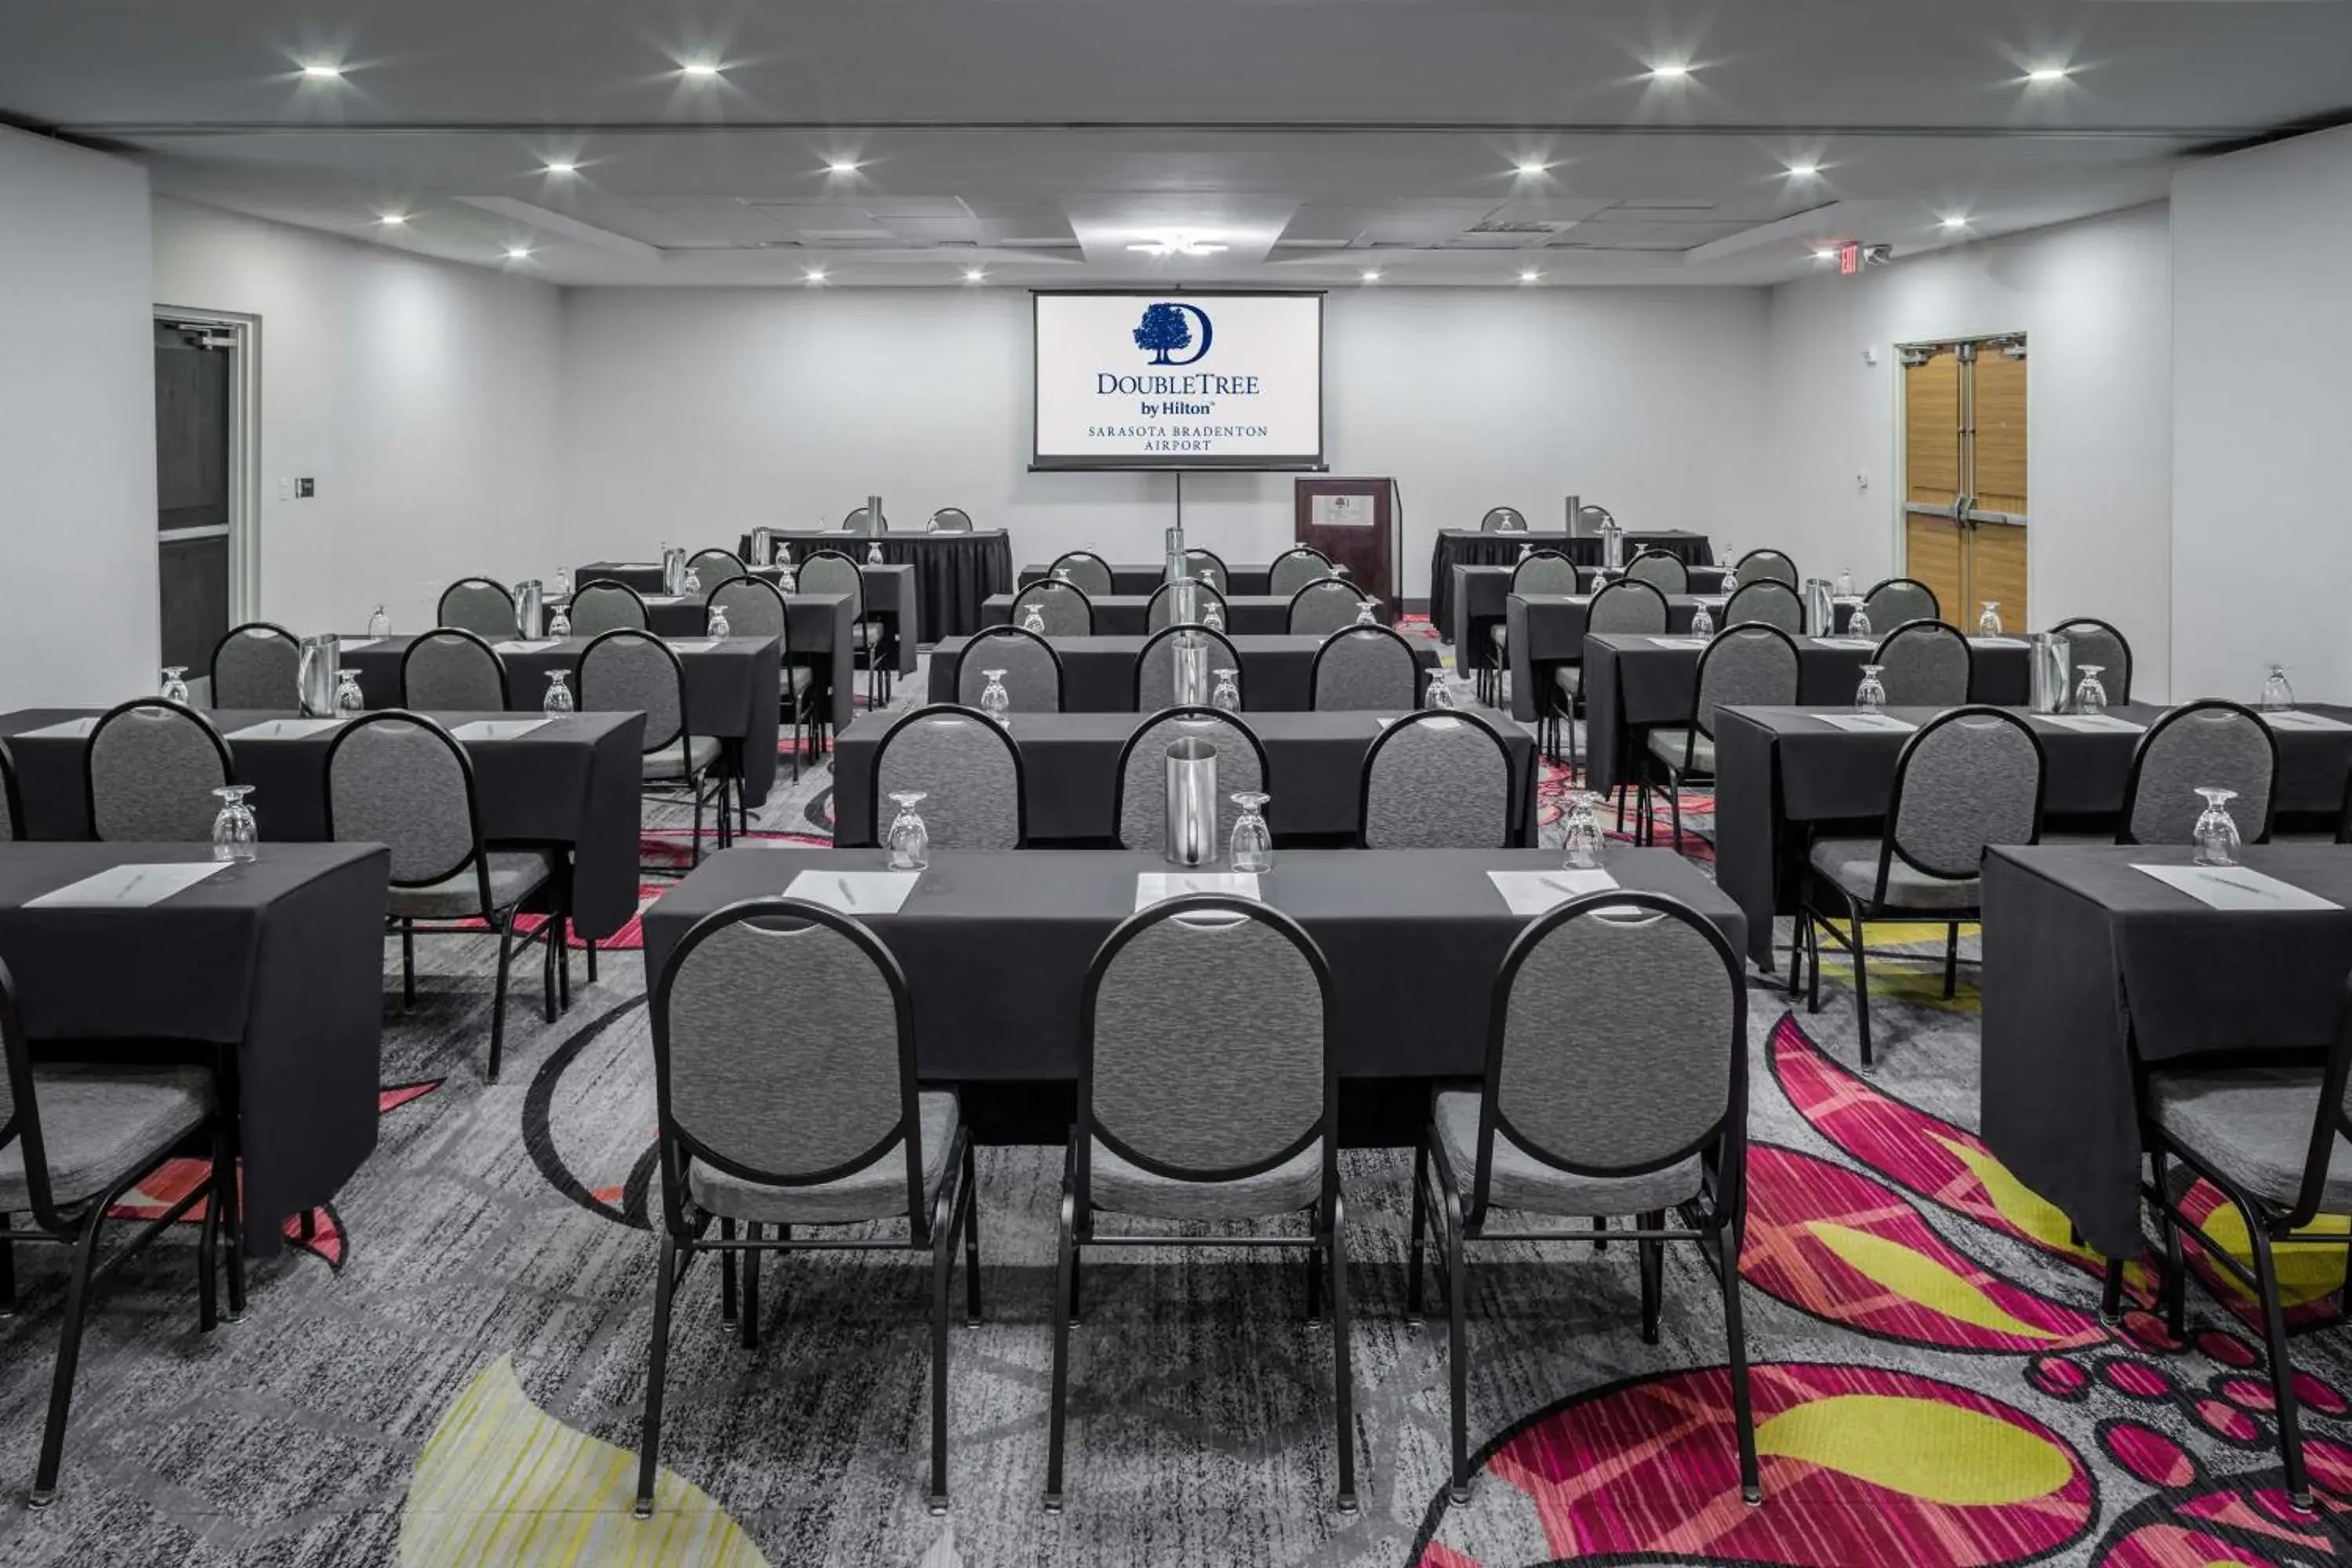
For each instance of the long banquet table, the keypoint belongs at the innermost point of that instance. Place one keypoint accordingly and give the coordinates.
(1126, 614)
(1136, 577)
(1098, 672)
(1546, 631)
(571, 785)
(953, 572)
(277, 964)
(1476, 603)
(995, 947)
(889, 594)
(1315, 763)
(1471, 547)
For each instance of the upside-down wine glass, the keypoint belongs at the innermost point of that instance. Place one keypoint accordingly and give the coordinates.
(994, 700)
(1580, 837)
(2090, 696)
(379, 623)
(2217, 830)
(175, 686)
(1253, 843)
(689, 586)
(348, 698)
(1033, 619)
(909, 841)
(2277, 695)
(559, 695)
(1441, 694)
(1364, 616)
(1870, 697)
(1989, 623)
(1227, 697)
(1701, 623)
(234, 830)
(874, 553)
(1857, 624)
(719, 625)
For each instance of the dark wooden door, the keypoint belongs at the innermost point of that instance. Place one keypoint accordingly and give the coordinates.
(1351, 522)
(192, 492)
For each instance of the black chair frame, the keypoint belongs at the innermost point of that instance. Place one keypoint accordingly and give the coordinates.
(801, 705)
(212, 669)
(880, 650)
(1290, 611)
(122, 709)
(1688, 771)
(2121, 641)
(505, 688)
(1050, 585)
(985, 634)
(1766, 587)
(1926, 628)
(1515, 792)
(1168, 590)
(1232, 656)
(1548, 707)
(10, 795)
(441, 605)
(1655, 554)
(1315, 666)
(2173, 716)
(1143, 723)
(721, 770)
(1907, 581)
(1488, 662)
(956, 710)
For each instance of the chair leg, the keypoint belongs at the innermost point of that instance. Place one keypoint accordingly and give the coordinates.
(750, 1328)
(1951, 959)
(2298, 1484)
(649, 1444)
(1812, 962)
(7, 1270)
(943, 1253)
(499, 997)
(1420, 1225)
(1674, 796)
(1342, 1376)
(1064, 1293)
(2176, 1273)
(208, 1246)
(1797, 951)
(563, 960)
(549, 930)
(228, 1202)
(592, 964)
(1653, 1260)
(1457, 1309)
(407, 965)
(1861, 990)
(727, 1310)
(1314, 1283)
(2110, 1293)
(971, 1238)
(1743, 1411)
(53, 1435)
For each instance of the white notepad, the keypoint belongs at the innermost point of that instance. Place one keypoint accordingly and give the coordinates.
(2295, 719)
(2236, 887)
(693, 645)
(497, 728)
(855, 893)
(1384, 722)
(1157, 887)
(128, 887)
(347, 644)
(286, 729)
(1866, 723)
(663, 598)
(528, 647)
(2095, 723)
(1998, 642)
(1678, 642)
(70, 729)
(1533, 892)
(1844, 642)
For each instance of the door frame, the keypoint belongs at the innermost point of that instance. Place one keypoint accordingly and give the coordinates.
(1901, 466)
(243, 448)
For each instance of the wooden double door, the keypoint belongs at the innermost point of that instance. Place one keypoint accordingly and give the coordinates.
(1965, 515)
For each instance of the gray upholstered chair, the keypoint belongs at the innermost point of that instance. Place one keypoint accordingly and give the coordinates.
(831, 572)
(1745, 666)
(755, 608)
(2200, 746)
(1503, 519)
(1967, 779)
(1435, 780)
(478, 605)
(400, 780)
(11, 799)
(1323, 606)
(451, 671)
(1294, 569)
(1139, 815)
(970, 773)
(258, 665)
(1623, 608)
(1925, 664)
(1213, 1102)
(949, 519)
(151, 768)
(1369, 667)
(863, 523)
(1090, 570)
(1033, 670)
(1159, 611)
(74, 1140)
(1898, 600)
(784, 1074)
(1155, 667)
(1616, 1084)
(2090, 642)
(1208, 566)
(713, 566)
(1665, 572)
(603, 606)
(1538, 572)
(1066, 609)
(626, 670)
(1767, 602)
(1766, 565)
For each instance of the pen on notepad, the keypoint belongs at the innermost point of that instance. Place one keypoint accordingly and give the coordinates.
(849, 898)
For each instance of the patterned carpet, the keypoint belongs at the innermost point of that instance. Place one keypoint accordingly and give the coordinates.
(447, 1367)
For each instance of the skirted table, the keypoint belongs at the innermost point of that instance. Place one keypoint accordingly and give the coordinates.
(1545, 631)
(953, 572)
(1099, 673)
(1471, 547)
(1129, 577)
(1476, 605)
(889, 591)
(1126, 614)
(274, 968)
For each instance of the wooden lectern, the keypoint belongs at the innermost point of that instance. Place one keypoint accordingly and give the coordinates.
(1354, 523)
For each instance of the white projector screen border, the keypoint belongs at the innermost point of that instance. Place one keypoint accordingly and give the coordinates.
(1143, 461)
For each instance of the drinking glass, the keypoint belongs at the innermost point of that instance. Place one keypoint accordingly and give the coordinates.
(909, 841)
(1061, 573)
(1580, 839)
(1209, 576)
(1844, 583)
(1440, 694)
(994, 700)
(2090, 697)
(176, 686)
(1253, 843)
(1526, 551)
(1213, 617)
(1033, 619)
(559, 695)
(1870, 697)
(1228, 694)
(689, 586)
(873, 558)
(1701, 623)
(234, 830)
(1989, 623)
(379, 623)
(786, 578)
(559, 624)
(1857, 624)
(718, 626)
(1364, 616)
(347, 700)
(562, 582)
(2277, 695)
(2217, 831)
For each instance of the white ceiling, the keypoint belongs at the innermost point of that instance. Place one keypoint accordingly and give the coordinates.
(1035, 140)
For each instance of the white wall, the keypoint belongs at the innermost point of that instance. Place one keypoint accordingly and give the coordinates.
(692, 416)
(78, 617)
(2096, 301)
(2261, 416)
(421, 396)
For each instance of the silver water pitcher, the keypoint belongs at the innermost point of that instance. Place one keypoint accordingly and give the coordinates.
(1192, 670)
(1821, 608)
(530, 608)
(1191, 802)
(1176, 554)
(1612, 544)
(1185, 602)
(764, 547)
(673, 571)
(874, 519)
(2052, 660)
(1575, 518)
(318, 670)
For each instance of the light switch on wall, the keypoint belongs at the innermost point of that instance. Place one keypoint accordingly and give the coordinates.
(284, 490)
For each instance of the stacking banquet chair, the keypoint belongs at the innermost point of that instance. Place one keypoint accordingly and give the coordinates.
(2274, 1141)
(1765, 601)
(1324, 605)
(949, 519)
(1623, 608)
(1543, 571)
(399, 779)
(1139, 815)
(1436, 780)
(11, 799)
(1215, 1103)
(478, 605)
(1159, 611)
(1898, 600)
(755, 608)
(1295, 568)
(1064, 607)
(1208, 566)
(625, 671)
(1967, 779)
(257, 664)
(1503, 519)
(1924, 664)
(1744, 667)
(605, 606)
(452, 670)
(1088, 571)
(784, 1076)
(865, 523)
(1033, 670)
(713, 566)
(1370, 668)
(151, 769)
(2091, 642)
(1664, 572)
(1155, 666)
(73, 1141)
(2210, 744)
(1601, 1099)
(968, 772)
(1758, 565)
(831, 572)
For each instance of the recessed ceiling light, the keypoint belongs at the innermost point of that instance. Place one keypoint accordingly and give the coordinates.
(1177, 244)
(562, 166)
(518, 253)
(1829, 254)
(1804, 171)
(1529, 276)
(1532, 166)
(974, 275)
(323, 72)
(699, 70)
(393, 220)
(842, 166)
(1671, 71)
(816, 274)
(2045, 74)
(1957, 220)
(1371, 275)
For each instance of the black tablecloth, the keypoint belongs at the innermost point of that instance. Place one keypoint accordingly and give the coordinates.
(1126, 614)
(731, 688)
(1475, 603)
(1099, 673)
(1316, 763)
(2088, 963)
(1125, 577)
(995, 947)
(890, 596)
(1547, 630)
(1782, 776)
(1631, 683)
(953, 572)
(570, 785)
(1469, 547)
(281, 958)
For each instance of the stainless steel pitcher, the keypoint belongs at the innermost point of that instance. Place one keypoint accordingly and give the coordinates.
(875, 521)
(318, 670)
(530, 608)
(1192, 670)
(1821, 608)
(2051, 660)
(1175, 539)
(673, 571)
(764, 547)
(1185, 603)
(1191, 802)
(1612, 544)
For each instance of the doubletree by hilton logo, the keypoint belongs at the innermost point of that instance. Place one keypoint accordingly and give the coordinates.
(1167, 329)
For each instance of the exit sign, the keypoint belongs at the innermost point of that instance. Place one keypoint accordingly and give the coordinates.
(1849, 259)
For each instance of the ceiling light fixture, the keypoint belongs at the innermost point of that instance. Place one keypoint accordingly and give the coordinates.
(1529, 276)
(1804, 171)
(842, 166)
(816, 274)
(1371, 275)
(518, 253)
(562, 166)
(1177, 244)
(2045, 76)
(699, 70)
(1828, 254)
(974, 275)
(393, 220)
(1671, 71)
(1957, 220)
(1532, 166)
(323, 72)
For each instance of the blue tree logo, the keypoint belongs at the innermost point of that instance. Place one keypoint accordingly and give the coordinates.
(1167, 329)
